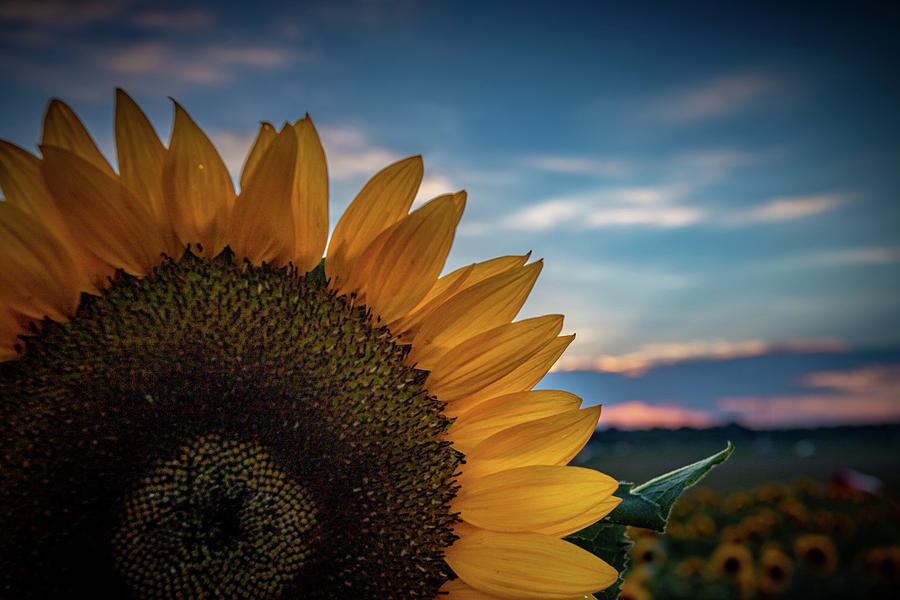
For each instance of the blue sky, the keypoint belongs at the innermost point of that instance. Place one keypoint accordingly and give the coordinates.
(709, 184)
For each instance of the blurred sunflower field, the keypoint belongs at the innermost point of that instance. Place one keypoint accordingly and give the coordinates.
(801, 540)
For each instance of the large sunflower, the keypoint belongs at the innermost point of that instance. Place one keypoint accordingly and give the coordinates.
(194, 407)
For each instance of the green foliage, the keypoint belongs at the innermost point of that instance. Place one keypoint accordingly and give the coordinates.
(317, 275)
(647, 505)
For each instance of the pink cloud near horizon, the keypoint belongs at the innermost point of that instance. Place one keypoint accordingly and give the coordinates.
(636, 414)
(867, 395)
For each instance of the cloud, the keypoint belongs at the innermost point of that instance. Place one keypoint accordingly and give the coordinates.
(789, 208)
(714, 98)
(639, 362)
(205, 65)
(840, 257)
(433, 185)
(635, 414)
(579, 165)
(60, 14)
(351, 155)
(649, 206)
(189, 18)
(865, 395)
(233, 147)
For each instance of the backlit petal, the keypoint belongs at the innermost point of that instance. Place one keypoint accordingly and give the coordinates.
(37, 276)
(258, 229)
(412, 256)
(198, 190)
(527, 565)
(499, 413)
(524, 377)
(533, 498)
(141, 158)
(448, 286)
(309, 198)
(485, 358)
(108, 217)
(383, 201)
(63, 128)
(457, 589)
(485, 305)
(264, 138)
(549, 441)
(24, 187)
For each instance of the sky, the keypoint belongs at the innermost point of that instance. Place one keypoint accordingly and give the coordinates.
(713, 187)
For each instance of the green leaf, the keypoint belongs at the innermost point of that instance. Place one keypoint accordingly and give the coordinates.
(665, 489)
(607, 541)
(317, 275)
(647, 505)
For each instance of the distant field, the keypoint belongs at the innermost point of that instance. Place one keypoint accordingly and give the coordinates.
(760, 457)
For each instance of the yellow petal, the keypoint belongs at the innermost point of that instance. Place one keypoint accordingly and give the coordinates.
(141, 158)
(383, 201)
(457, 589)
(448, 286)
(62, 128)
(549, 441)
(310, 198)
(533, 498)
(37, 276)
(524, 377)
(198, 190)
(12, 325)
(264, 138)
(406, 326)
(258, 230)
(582, 520)
(526, 565)
(499, 413)
(23, 187)
(412, 255)
(109, 219)
(485, 358)
(474, 273)
(485, 305)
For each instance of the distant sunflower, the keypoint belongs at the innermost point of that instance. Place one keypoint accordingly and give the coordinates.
(734, 562)
(817, 552)
(775, 571)
(191, 406)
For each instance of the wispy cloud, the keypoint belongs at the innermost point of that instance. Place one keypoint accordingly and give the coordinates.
(233, 147)
(60, 14)
(433, 184)
(212, 64)
(351, 155)
(714, 98)
(635, 414)
(185, 18)
(649, 206)
(839, 257)
(866, 395)
(639, 362)
(789, 208)
(579, 165)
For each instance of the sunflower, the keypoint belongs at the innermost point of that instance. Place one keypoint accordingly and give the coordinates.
(196, 404)
(817, 552)
(775, 571)
(734, 563)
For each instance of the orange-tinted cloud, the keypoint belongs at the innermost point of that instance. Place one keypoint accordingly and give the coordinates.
(639, 415)
(637, 363)
(865, 395)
